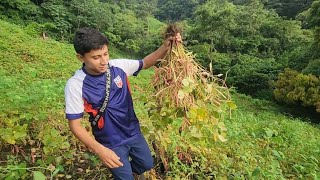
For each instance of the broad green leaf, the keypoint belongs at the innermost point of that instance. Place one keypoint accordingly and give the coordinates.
(185, 82)
(37, 175)
(163, 111)
(192, 113)
(222, 126)
(232, 105)
(181, 94)
(202, 114)
(268, 132)
(256, 172)
(195, 133)
(221, 138)
(8, 137)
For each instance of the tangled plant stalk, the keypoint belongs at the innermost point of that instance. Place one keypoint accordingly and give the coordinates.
(187, 110)
(181, 83)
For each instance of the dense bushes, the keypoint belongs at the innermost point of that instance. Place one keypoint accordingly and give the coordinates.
(128, 30)
(293, 87)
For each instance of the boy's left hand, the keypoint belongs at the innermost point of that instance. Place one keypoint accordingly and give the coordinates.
(171, 39)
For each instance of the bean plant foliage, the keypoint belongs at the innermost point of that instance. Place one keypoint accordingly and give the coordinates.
(184, 119)
(189, 104)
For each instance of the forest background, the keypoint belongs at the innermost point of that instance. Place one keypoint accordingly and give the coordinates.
(268, 51)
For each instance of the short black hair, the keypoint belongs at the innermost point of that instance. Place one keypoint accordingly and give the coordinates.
(87, 39)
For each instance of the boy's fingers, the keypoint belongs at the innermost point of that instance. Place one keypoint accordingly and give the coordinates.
(177, 37)
(112, 164)
(118, 163)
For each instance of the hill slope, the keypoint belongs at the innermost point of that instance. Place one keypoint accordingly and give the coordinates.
(35, 140)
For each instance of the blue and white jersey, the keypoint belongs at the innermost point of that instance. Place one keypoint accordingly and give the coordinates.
(86, 93)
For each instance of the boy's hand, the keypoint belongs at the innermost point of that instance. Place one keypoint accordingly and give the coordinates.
(152, 58)
(109, 158)
(176, 38)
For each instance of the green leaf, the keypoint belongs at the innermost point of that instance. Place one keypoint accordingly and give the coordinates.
(195, 133)
(22, 168)
(268, 132)
(55, 172)
(256, 172)
(37, 175)
(192, 113)
(180, 94)
(185, 82)
(232, 105)
(277, 154)
(221, 138)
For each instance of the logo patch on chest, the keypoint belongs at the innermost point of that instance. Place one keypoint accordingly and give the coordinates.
(118, 81)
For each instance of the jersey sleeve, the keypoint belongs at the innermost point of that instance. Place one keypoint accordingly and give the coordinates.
(129, 66)
(73, 100)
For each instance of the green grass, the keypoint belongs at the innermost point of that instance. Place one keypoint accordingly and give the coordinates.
(262, 142)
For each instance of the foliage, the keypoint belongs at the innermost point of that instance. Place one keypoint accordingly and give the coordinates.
(127, 23)
(249, 42)
(313, 68)
(314, 21)
(288, 8)
(142, 8)
(176, 10)
(93, 14)
(294, 87)
(285, 8)
(245, 29)
(262, 144)
(22, 11)
(58, 13)
(313, 14)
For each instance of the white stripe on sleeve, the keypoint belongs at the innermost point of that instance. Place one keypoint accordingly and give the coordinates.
(129, 66)
(73, 98)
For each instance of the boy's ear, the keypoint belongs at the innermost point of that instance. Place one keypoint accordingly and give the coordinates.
(80, 57)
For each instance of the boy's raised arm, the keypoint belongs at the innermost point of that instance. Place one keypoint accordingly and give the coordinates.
(152, 58)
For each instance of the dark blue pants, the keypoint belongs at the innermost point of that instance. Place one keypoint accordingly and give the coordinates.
(141, 159)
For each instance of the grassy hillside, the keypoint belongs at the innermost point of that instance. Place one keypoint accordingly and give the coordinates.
(35, 140)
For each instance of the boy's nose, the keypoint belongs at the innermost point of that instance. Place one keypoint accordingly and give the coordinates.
(103, 60)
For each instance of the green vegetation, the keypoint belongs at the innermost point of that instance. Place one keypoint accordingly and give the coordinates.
(293, 87)
(251, 41)
(35, 141)
(264, 49)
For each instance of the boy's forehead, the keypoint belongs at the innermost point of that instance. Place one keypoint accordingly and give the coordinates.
(102, 50)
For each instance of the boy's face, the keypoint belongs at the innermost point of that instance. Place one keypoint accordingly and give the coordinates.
(96, 60)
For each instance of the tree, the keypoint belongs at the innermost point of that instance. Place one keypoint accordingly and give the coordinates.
(19, 11)
(176, 10)
(285, 8)
(92, 13)
(288, 8)
(312, 16)
(58, 13)
(249, 42)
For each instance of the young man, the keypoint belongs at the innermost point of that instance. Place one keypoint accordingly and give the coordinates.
(117, 134)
